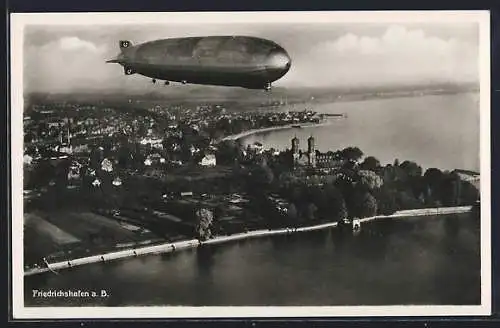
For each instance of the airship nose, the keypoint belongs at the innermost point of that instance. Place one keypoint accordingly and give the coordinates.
(278, 61)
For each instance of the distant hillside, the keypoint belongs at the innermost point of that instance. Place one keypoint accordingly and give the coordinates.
(208, 94)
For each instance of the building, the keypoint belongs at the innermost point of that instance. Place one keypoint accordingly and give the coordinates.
(255, 148)
(117, 182)
(208, 160)
(74, 171)
(65, 143)
(312, 157)
(27, 159)
(96, 183)
(81, 148)
(156, 143)
(66, 148)
(469, 176)
(106, 165)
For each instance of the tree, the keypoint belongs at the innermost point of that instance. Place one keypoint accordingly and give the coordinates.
(228, 151)
(287, 179)
(370, 163)
(124, 156)
(360, 203)
(352, 154)
(216, 134)
(292, 212)
(469, 193)
(411, 169)
(369, 180)
(433, 176)
(335, 204)
(205, 220)
(368, 206)
(405, 199)
(267, 175)
(386, 201)
(296, 193)
(260, 178)
(433, 179)
(388, 174)
(220, 211)
(42, 173)
(451, 190)
(311, 211)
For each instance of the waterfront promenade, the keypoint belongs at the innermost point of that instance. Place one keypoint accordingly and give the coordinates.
(275, 128)
(193, 243)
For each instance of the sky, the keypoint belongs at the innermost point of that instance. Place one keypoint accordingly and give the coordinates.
(72, 58)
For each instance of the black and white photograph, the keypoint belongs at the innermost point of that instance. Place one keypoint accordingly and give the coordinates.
(250, 164)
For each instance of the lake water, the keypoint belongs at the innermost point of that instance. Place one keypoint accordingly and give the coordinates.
(435, 131)
(426, 260)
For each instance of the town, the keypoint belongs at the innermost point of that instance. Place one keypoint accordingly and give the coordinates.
(103, 175)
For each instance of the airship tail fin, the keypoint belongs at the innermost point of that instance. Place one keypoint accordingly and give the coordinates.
(124, 44)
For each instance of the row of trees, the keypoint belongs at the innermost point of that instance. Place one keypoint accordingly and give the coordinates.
(358, 189)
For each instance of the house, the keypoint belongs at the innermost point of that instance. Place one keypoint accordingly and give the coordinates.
(106, 165)
(176, 162)
(74, 171)
(155, 157)
(466, 175)
(117, 182)
(237, 199)
(156, 143)
(66, 148)
(194, 150)
(208, 160)
(53, 124)
(81, 148)
(470, 176)
(256, 148)
(27, 159)
(55, 155)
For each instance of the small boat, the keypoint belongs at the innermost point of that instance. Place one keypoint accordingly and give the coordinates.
(297, 126)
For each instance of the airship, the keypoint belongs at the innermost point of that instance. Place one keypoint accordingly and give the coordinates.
(233, 61)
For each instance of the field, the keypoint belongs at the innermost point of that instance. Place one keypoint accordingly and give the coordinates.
(199, 173)
(61, 233)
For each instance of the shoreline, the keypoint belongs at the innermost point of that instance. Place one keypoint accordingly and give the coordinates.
(275, 128)
(194, 243)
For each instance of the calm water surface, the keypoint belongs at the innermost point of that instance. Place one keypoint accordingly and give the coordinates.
(427, 260)
(435, 131)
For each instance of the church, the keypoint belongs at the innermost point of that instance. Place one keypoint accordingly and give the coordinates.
(312, 158)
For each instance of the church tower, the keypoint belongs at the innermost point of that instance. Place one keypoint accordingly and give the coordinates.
(311, 151)
(295, 145)
(295, 150)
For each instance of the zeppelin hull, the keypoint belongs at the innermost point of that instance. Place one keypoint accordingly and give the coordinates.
(220, 60)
